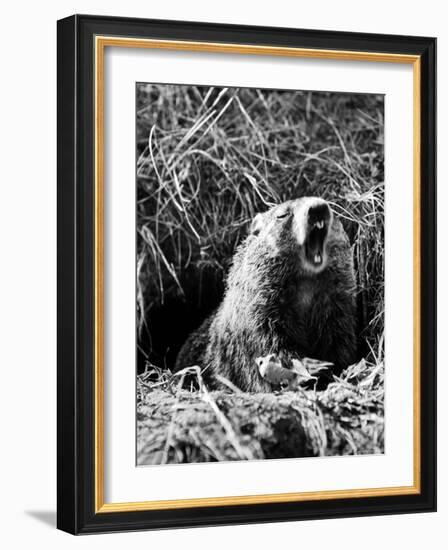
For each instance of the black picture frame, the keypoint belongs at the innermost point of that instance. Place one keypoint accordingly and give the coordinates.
(76, 256)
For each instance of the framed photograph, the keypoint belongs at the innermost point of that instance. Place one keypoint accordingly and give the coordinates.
(246, 274)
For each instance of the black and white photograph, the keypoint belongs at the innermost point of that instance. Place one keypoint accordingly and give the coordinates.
(259, 273)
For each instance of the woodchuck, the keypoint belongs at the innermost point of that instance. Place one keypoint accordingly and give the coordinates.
(290, 291)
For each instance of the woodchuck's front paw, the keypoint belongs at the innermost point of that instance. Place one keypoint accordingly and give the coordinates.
(315, 367)
(322, 371)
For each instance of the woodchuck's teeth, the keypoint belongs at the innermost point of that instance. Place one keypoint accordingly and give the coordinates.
(319, 224)
(317, 258)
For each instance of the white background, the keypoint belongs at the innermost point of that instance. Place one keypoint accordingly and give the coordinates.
(28, 274)
(124, 482)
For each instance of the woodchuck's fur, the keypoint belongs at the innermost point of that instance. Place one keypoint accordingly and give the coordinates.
(290, 291)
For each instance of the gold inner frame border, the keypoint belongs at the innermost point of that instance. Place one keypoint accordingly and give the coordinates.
(101, 42)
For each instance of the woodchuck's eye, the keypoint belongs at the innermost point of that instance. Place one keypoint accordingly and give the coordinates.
(284, 215)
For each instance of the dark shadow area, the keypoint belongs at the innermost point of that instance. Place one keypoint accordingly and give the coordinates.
(169, 324)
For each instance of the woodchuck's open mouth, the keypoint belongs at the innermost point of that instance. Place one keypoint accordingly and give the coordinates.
(319, 219)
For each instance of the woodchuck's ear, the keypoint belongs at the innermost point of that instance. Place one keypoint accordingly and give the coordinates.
(257, 224)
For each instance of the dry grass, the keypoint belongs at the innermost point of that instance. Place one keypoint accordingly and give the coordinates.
(210, 158)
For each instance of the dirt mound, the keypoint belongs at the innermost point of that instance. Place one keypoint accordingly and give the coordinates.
(176, 425)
